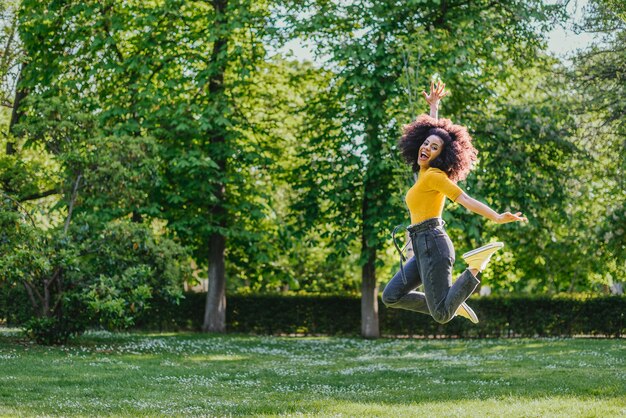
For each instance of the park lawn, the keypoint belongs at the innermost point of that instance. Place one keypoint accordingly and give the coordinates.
(215, 375)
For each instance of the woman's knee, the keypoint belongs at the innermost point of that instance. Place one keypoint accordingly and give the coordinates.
(441, 317)
(389, 299)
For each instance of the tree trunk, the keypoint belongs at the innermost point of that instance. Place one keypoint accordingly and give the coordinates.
(20, 95)
(369, 289)
(369, 298)
(215, 310)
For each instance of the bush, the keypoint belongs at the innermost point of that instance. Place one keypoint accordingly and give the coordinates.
(514, 316)
(15, 308)
(57, 329)
(53, 330)
(56, 282)
(131, 273)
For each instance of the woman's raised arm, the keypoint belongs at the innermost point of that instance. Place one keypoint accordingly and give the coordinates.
(437, 92)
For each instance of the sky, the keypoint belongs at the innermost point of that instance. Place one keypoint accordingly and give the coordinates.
(563, 42)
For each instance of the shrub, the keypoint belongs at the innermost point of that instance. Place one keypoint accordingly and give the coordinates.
(510, 316)
(108, 276)
(513, 316)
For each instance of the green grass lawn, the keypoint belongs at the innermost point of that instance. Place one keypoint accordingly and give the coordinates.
(208, 375)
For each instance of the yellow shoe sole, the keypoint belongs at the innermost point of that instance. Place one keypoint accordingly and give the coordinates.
(466, 312)
(483, 248)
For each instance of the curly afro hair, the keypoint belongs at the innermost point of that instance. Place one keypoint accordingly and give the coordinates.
(457, 155)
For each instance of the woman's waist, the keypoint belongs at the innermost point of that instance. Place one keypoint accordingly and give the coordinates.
(425, 225)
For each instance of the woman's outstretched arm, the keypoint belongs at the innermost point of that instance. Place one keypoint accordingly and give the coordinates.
(484, 210)
(436, 94)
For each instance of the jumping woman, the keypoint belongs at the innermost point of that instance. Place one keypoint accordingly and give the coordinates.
(442, 154)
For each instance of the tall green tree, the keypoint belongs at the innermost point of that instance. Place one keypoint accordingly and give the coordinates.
(209, 156)
(597, 77)
(377, 50)
(163, 82)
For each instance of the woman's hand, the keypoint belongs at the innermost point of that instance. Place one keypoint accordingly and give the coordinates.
(507, 217)
(437, 92)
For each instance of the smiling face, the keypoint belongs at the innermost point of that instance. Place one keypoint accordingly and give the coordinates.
(430, 149)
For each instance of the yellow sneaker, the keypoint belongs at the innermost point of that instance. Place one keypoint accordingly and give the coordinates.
(466, 312)
(478, 258)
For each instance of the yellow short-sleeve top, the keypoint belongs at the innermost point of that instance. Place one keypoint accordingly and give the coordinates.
(426, 198)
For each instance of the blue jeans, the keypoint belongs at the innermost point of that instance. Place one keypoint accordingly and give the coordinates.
(432, 267)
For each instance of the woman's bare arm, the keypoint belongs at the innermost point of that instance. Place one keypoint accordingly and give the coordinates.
(484, 210)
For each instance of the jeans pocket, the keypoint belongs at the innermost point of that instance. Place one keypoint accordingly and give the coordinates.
(444, 246)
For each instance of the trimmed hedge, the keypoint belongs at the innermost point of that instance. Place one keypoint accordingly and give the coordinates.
(15, 307)
(514, 316)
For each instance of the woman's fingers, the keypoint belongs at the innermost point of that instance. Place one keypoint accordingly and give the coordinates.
(517, 217)
(521, 217)
(437, 92)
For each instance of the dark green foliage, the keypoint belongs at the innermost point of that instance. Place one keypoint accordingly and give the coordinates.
(91, 273)
(15, 308)
(128, 272)
(514, 316)
(60, 328)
